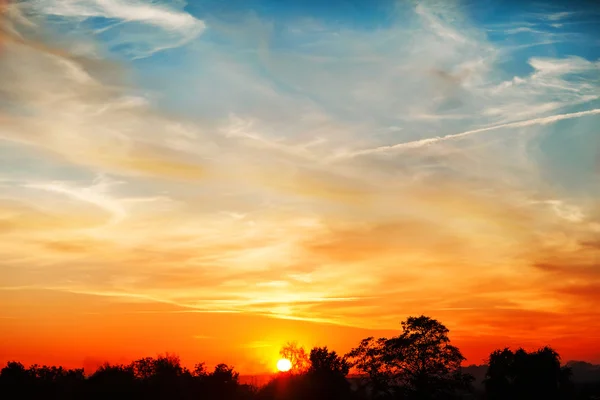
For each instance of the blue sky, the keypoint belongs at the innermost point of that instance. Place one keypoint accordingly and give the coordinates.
(336, 162)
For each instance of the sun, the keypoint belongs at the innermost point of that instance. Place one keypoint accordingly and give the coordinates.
(284, 365)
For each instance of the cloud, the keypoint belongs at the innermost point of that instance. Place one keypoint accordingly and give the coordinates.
(570, 213)
(565, 66)
(557, 16)
(23, 216)
(435, 22)
(144, 27)
(103, 125)
(95, 194)
(131, 11)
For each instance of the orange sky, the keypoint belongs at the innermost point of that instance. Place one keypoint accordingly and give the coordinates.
(177, 197)
(80, 330)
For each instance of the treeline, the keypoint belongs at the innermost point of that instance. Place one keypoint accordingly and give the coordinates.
(148, 378)
(418, 364)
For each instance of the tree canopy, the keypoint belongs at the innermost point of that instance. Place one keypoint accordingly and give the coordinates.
(525, 375)
(419, 363)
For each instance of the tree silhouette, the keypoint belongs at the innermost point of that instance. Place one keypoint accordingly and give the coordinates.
(326, 375)
(324, 378)
(325, 362)
(41, 381)
(58, 381)
(522, 375)
(15, 373)
(14, 378)
(167, 366)
(223, 383)
(225, 375)
(297, 356)
(112, 381)
(165, 378)
(200, 370)
(143, 368)
(420, 363)
(368, 359)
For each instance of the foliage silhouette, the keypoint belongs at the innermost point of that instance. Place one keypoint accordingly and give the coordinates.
(325, 362)
(327, 374)
(41, 382)
(522, 375)
(420, 363)
(297, 357)
(324, 378)
(112, 381)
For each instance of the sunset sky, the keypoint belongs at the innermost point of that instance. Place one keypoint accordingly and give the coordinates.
(217, 178)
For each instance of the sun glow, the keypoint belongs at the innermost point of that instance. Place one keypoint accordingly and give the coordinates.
(284, 365)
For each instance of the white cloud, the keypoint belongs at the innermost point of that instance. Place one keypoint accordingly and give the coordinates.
(125, 10)
(96, 194)
(437, 26)
(166, 27)
(522, 29)
(558, 15)
(568, 212)
(557, 67)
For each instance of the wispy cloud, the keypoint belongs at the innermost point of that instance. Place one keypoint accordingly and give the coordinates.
(159, 27)
(95, 194)
(557, 16)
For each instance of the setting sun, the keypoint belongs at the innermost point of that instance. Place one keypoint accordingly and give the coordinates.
(284, 365)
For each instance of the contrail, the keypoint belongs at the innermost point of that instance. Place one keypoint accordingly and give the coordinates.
(424, 142)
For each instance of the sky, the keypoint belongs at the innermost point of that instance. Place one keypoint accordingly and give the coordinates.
(215, 179)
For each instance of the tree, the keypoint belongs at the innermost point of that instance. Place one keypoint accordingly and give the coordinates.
(148, 378)
(224, 374)
(112, 381)
(143, 368)
(14, 378)
(223, 383)
(167, 366)
(523, 375)
(324, 379)
(326, 376)
(367, 358)
(297, 356)
(107, 373)
(200, 370)
(15, 372)
(161, 377)
(424, 360)
(420, 363)
(325, 362)
(499, 377)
